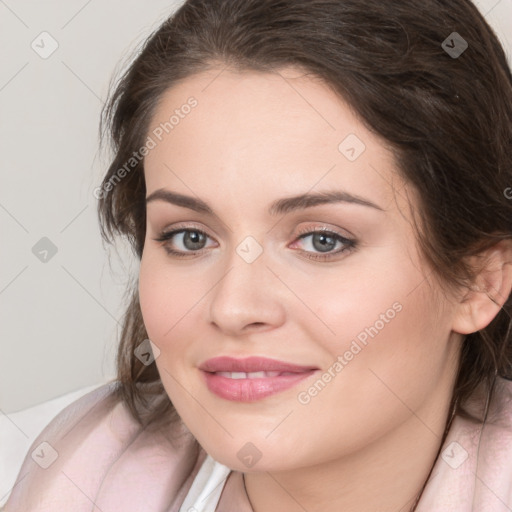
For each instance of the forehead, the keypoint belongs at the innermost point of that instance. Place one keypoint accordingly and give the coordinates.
(254, 130)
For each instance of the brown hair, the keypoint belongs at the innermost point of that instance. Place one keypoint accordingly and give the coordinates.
(447, 118)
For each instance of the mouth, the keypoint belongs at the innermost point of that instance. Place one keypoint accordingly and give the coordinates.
(251, 379)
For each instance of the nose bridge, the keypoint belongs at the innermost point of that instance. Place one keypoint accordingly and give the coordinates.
(245, 294)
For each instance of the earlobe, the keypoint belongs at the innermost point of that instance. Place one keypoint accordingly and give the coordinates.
(490, 290)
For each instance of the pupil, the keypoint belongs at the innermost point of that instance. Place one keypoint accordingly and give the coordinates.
(323, 243)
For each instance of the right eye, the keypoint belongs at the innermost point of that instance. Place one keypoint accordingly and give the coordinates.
(189, 241)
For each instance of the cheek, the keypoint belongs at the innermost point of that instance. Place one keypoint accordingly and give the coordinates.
(168, 302)
(351, 303)
(152, 300)
(391, 359)
(166, 297)
(383, 325)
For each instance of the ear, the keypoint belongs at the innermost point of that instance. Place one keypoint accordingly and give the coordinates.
(490, 290)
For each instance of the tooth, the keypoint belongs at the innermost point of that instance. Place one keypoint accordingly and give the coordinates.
(251, 375)
(257, 375)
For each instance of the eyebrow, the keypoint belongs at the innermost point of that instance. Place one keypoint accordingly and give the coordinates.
(281, 206)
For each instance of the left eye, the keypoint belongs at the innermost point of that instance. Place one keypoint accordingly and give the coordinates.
(325, 241)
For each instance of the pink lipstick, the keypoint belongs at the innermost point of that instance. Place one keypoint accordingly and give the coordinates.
(252, 378)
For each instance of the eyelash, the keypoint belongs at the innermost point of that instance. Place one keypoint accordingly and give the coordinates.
(349, 244)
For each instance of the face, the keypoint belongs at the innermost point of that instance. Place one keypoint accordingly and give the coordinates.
(338, 289)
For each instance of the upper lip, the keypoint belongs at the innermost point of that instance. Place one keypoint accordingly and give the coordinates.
(251, 364)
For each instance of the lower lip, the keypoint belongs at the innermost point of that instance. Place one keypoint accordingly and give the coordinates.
(250, 390)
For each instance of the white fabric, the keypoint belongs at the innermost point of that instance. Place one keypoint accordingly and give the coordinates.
(207, 487)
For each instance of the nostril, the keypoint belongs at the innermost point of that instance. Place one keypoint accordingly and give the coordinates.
(255, 325)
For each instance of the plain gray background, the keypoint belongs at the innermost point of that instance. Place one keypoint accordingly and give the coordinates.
(59, 322)
(59, 326)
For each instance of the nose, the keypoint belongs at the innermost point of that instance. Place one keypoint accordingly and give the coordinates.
(247, 298)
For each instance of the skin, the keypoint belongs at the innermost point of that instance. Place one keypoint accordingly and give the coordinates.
(368, 439)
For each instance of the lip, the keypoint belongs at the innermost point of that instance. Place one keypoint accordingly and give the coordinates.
(251, 364)
(251, 389)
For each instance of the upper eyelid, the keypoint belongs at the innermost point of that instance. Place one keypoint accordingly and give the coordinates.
(178, 229)
(323, 228)
(302, 232)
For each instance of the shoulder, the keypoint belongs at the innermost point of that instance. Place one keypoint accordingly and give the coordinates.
(493, 467)
(95, 452)
(495, 434)
(474, 467)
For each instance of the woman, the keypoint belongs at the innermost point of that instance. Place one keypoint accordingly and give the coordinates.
(317, 193)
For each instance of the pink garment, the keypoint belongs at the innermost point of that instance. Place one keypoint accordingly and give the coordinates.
(107, 463)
